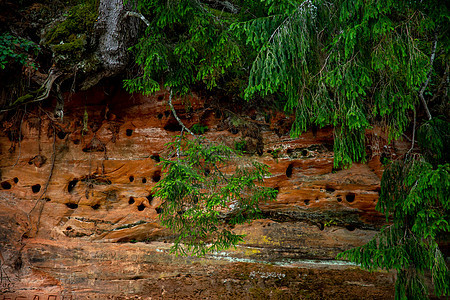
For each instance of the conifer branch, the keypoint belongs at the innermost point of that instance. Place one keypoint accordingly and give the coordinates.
(228, 6)
(137, 15)
(425, 84)
(413, 133)
(176, 116)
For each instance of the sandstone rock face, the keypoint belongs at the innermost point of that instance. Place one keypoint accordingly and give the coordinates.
(78, 218)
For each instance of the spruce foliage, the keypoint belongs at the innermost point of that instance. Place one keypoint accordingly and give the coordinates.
(186, 43)
(347, 63)
(203, 186)
(350, 64)
(416, 197)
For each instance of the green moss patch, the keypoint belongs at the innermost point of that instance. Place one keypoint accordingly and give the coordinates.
(69, 36)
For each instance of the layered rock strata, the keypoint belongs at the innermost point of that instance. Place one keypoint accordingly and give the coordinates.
(78, 217)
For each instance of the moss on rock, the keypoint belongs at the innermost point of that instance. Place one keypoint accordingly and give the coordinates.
(68, 37)
(80, 20)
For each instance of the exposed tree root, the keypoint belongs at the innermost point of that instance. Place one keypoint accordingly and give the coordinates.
(40, 94)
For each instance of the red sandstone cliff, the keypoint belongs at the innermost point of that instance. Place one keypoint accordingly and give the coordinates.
(92, 230)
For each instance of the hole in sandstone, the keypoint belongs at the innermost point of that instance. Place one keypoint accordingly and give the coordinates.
(131, 178)
(304, 152)
(329, 189)
(47, 199)
(158, 210)
(350, 197)
(167, 113)
(150, 198)
(321, 226)
(144, 180)
(289, 170)
(61, 135)
(306, 202)
(68, 228)
(160, 116)
(96, 206)
(30, 162)
(16, 180)
(234, 130)
(17, 264)
(129, 132)
(156, 176)
(6, 185)
(289, 151)
(72, 185)
(160, 98)
(72, 205)
(350, 227)
(36, 188)
(141, 207)
(76, 142)
(339, 199)
(172, 126)
(131, 200)
(156, 158)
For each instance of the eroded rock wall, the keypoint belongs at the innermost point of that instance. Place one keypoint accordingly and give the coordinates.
(95, 230)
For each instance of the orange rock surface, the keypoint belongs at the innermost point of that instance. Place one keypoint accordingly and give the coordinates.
(76, 196)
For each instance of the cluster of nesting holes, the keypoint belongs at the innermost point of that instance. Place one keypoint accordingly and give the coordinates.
(141, 206)
(36, 188)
